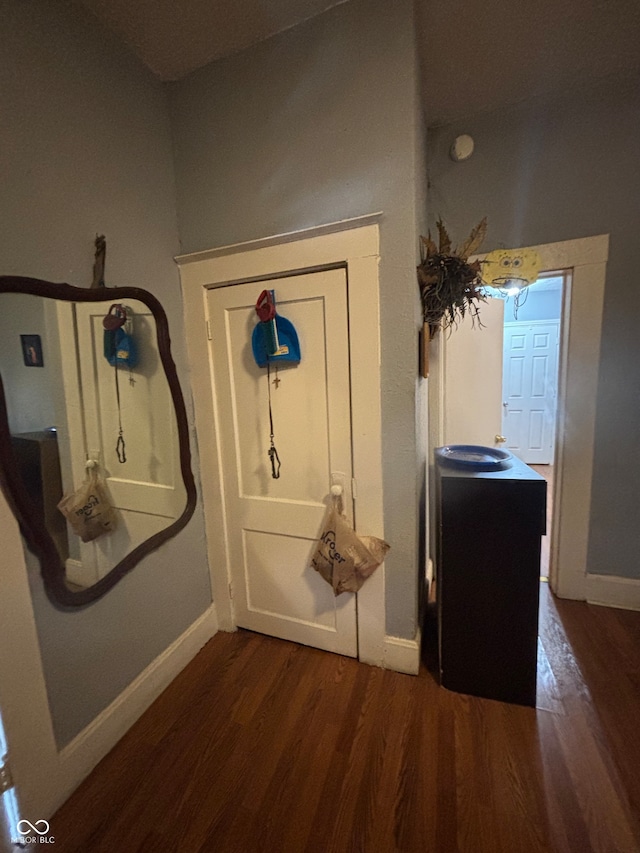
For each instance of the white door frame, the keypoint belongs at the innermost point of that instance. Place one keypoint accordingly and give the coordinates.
(579, 360)
(353, 244)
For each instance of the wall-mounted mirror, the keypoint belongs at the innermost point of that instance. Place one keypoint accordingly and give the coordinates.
(65, 402)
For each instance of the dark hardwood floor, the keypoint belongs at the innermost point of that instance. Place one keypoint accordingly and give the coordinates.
(263, 745)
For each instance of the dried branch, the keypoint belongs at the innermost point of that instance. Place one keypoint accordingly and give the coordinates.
(450, 288)
(445, 240)
(428, 248)
(473, 241)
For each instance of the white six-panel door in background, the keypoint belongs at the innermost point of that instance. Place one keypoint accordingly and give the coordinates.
(530, 385)
(272, 524)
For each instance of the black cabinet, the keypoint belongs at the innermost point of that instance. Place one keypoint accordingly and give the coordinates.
(38, 462)
(488, 564)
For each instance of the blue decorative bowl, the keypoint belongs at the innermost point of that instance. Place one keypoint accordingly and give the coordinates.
(474, 457)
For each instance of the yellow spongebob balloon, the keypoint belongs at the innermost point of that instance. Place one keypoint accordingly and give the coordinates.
(503, 267)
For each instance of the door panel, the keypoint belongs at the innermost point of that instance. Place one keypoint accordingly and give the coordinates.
(270, 592)
(272, 525)
(473, 378)
(530, 389)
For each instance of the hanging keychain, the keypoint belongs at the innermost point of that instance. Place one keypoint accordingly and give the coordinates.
(120, 350)
(274, 339)
(273, 453)
(120, 445)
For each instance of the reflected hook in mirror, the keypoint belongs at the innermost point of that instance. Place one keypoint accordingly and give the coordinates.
(154, 492)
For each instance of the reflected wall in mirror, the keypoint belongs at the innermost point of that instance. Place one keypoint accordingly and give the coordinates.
(75, 405)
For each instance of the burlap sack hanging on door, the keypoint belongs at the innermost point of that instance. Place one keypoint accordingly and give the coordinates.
(89, 510)
(343, 557)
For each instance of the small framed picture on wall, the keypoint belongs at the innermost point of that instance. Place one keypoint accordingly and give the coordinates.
(32, 350)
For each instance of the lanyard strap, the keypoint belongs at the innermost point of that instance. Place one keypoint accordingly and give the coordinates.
(120, 445)
(272, 453)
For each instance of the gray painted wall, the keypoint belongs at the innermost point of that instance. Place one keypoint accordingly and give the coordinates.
(85, 148)
(28, 390)
(550, 170)
(312, 126)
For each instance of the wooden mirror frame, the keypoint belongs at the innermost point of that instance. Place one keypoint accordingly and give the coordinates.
(35, 533)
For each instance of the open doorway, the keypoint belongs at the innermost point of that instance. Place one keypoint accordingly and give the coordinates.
(465, 407)
(530, 370)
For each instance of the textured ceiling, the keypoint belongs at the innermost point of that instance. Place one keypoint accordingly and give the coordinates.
(174, 38)
(476, 55)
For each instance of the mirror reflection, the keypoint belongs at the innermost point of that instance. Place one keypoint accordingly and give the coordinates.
(80, 394)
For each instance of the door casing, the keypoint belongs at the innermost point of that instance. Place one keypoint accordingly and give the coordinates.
(582, 307)
(353, 244)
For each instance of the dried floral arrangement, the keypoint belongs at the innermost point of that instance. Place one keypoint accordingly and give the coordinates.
(450, 286)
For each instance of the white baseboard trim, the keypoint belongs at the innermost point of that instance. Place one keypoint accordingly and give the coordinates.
(402, 655)
(612, 591)
(79, 758)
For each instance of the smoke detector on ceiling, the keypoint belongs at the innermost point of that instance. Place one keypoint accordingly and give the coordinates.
(462, 148)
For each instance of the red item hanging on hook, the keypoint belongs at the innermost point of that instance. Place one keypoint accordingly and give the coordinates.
(116, 318)
(265, 307)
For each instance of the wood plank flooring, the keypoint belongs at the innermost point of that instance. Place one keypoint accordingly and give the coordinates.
(263, 746)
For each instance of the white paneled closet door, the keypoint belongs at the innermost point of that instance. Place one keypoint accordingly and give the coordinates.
(272, 524)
